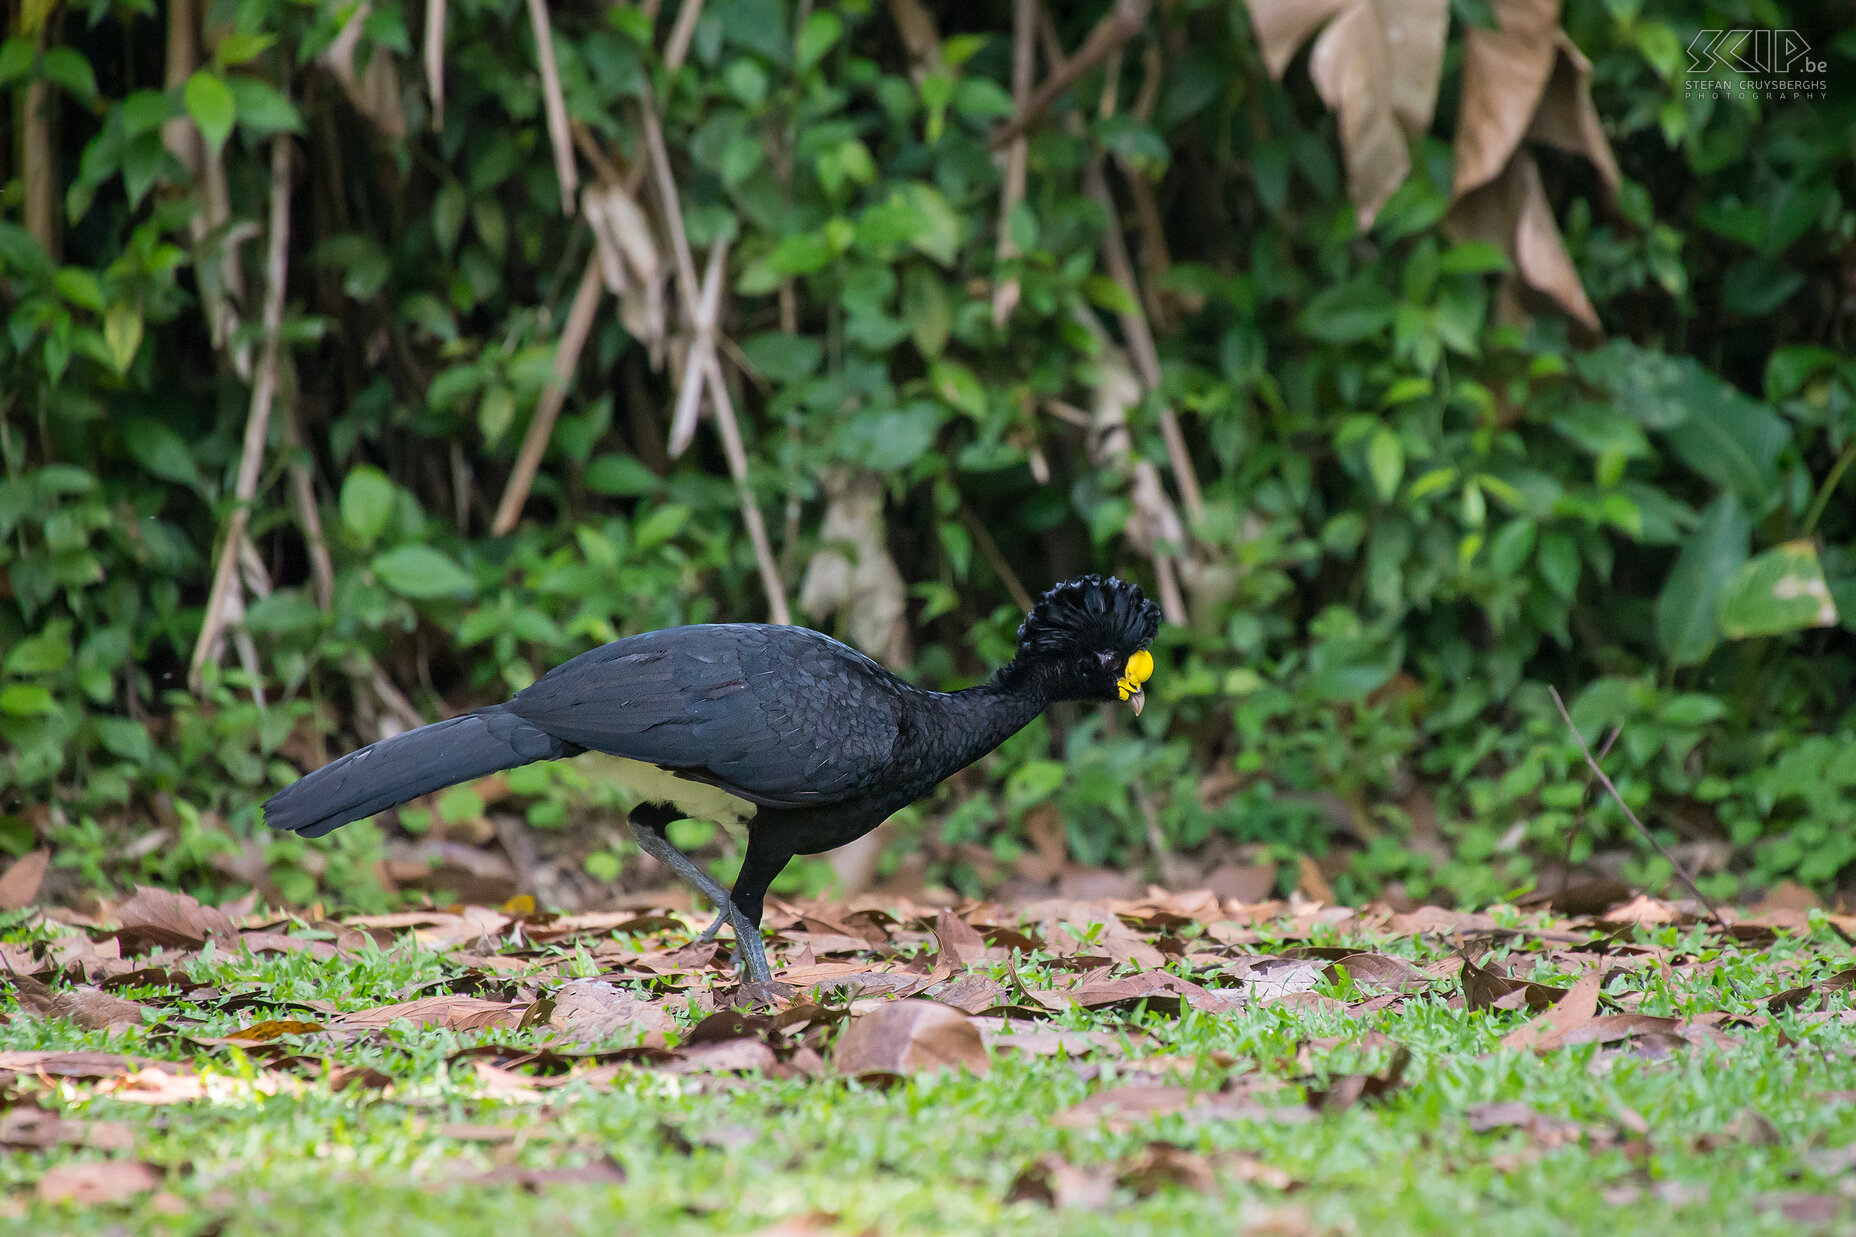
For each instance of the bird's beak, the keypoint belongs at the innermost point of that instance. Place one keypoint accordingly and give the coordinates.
(1137, 700)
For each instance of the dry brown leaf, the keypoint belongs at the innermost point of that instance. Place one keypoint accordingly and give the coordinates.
(1505, 72)
(449, 1011)
(90, 1008)
(1800, 1207)
(852, 572)
(603, 1171)
(726, 1056)
(1543, 1130)
(971, 994)
(1377, 65)
(1351, 1089)
(588, 1010)
(1488, 988)
(1645, 911)
(1059, 1184)
(20, 884)
(1574, 1010)
(909, 1036)
(1123, 1108)
(97, 1182)
(375, 92)
(1163, 1164)
(282, 943)
(34, 1127)
(84, 1065)
(173, 920)
(1370, 970)
(257, 1033)
(1512, 213)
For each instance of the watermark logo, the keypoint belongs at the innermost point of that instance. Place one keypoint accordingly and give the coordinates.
(1754, 64)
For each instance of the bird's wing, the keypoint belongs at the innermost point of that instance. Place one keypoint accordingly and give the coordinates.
(782, 716)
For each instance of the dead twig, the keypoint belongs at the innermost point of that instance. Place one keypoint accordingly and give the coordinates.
(225, 602)
(559, 135)
(736, 452)
(435, 60)
(1141, 347)
(680, 34)
(1024, 55)
(1117, 26)
(1604, 780)
(566, 360)
(701, 352)
(989, 549)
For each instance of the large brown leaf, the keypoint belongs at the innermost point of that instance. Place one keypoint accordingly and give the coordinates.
(1377, 65)
(588, 1010)
(20, 884)
(102, 1181)
(173, 920)
(90, 1008)
(1574, 1010)
(449, 1011)
(1512, 212)
(907, 1037)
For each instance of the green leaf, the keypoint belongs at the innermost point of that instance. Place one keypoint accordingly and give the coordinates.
(956, 384)
(1105, 292)
(125, 737)
(15, 58)
(122, 335)
(46, 653)
(79, 287)
(209, 101)
(261, 108)
(67, 67)
(1385, 460)
(619, 475)
(1510, 547)
(238, 47)
(422, 573)
(938, 231)
(927, 309)
(161, 451)
(20, 252)
(893, 440)
(1687, 610)
(448, 216)
(1779, 591)
(26, 700)
(1348, 313)
(660, 526)
(1032, 783)
(782, 357)
(366, 502)
(816, 38)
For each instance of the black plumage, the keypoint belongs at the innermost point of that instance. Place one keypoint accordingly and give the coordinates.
(807, 742)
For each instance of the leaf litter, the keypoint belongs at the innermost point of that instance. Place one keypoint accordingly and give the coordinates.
(877, 994)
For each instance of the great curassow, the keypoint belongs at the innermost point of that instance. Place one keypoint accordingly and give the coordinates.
(782, 731)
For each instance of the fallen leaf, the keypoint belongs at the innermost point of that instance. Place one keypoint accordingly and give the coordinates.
(25, 1126)
(19, 885)
(1370, 970)
(258, 1033)
(1573, 1010)
(722, 1057)
(1803, 1208)
(1349, 1090)
(972, 994)
(1644, 910)
(1059, 1184)
(959, 943)
(1487, 988)
(90, 1008)
(590, 1010)
(1163, 1164)
(82, 1065)
(470, 1132)
(906, 1037)
(172, 920)
(282, 943)
(1543, 1130)
(603, 1171)
(450, 1012)
(97, 1182)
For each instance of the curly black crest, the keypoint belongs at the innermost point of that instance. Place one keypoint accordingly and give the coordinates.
(1089, 613)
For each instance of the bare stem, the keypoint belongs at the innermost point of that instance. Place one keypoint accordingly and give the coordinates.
(1605, 781)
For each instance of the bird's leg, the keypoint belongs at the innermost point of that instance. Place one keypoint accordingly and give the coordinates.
(647, 822)
(764, 861)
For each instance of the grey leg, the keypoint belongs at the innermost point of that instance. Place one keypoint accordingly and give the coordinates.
(660, 848)
(750, 953)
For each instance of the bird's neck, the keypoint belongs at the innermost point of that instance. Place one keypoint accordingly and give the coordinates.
(965, 725)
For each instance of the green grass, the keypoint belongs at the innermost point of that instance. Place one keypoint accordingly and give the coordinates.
(939, 1153)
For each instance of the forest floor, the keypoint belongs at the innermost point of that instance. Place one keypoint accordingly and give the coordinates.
(1168, 1064)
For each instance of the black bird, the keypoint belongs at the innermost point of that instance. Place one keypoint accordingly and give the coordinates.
(783, 731)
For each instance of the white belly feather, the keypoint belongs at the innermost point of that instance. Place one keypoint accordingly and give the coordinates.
(696, 800)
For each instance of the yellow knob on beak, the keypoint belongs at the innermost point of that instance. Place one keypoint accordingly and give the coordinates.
(1139, 669)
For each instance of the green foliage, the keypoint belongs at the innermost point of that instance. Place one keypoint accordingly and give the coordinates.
(1419, 508)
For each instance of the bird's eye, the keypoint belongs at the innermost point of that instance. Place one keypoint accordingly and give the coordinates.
(1105, 658)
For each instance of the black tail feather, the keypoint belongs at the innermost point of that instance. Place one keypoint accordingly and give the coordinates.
(392, 771)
